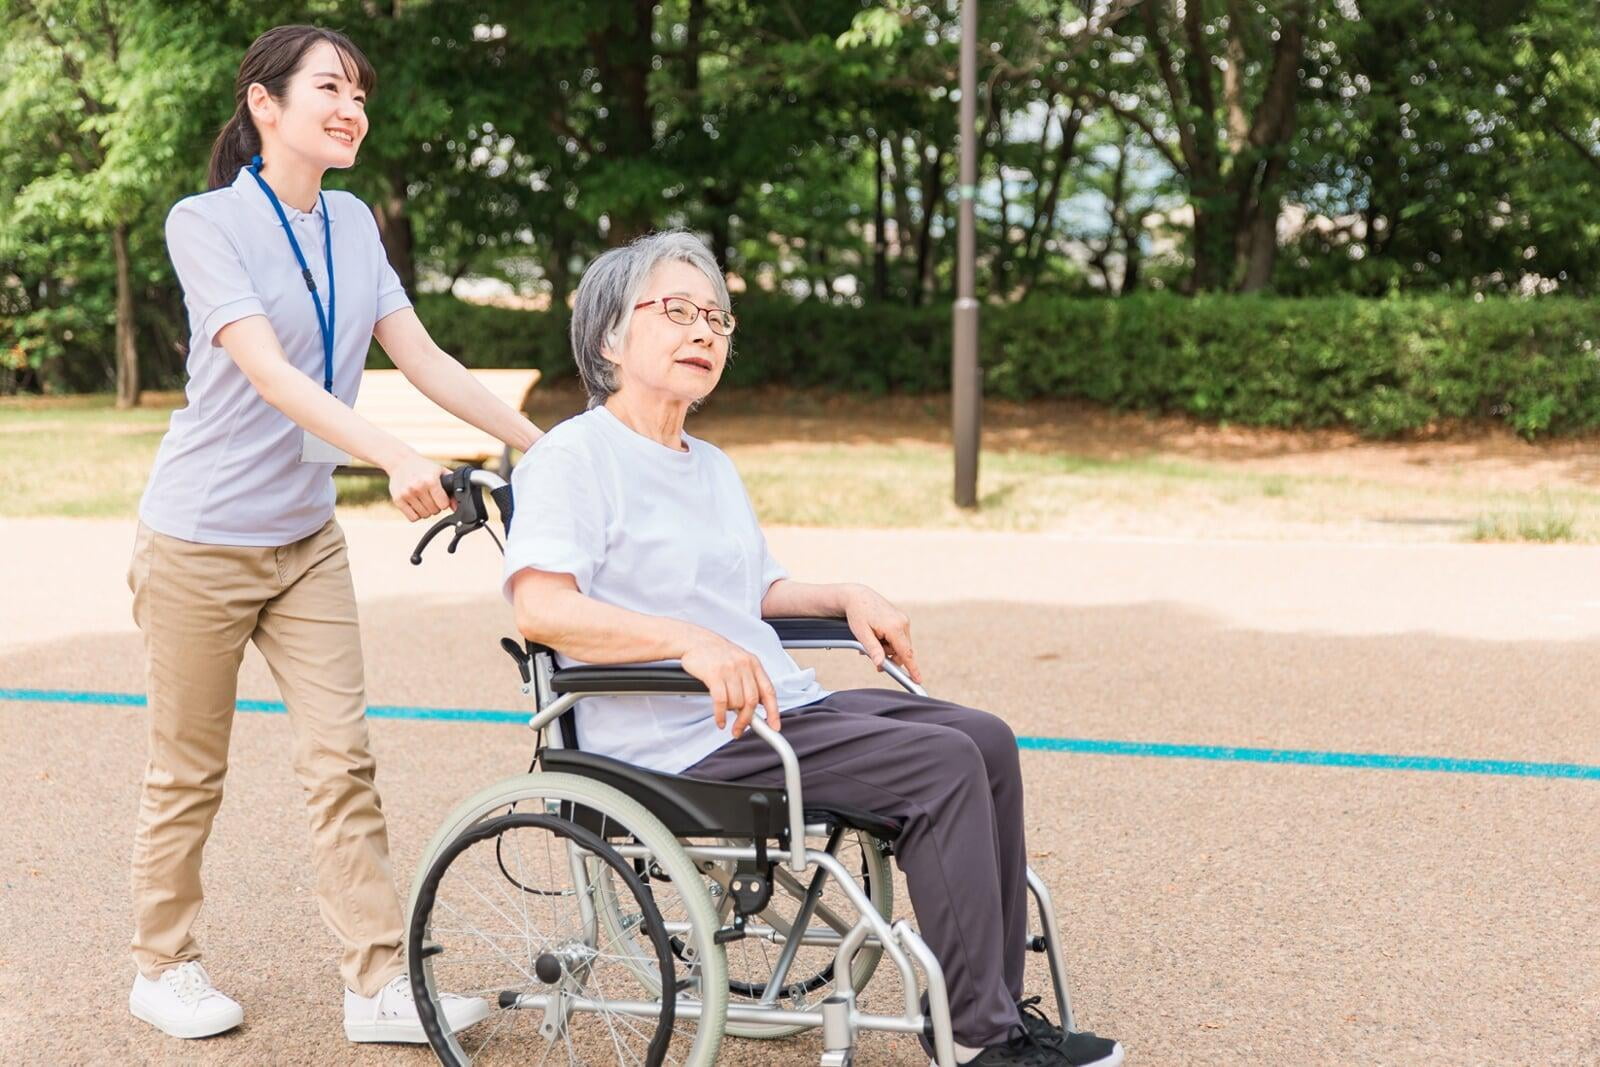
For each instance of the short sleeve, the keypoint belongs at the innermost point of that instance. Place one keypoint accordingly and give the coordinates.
(771, 570)
(560, 520)
(215, 283)
(391, 294)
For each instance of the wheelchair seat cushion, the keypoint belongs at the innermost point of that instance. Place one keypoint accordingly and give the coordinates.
(695, 807)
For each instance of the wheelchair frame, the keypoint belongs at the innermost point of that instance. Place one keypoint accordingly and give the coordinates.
(556, 691)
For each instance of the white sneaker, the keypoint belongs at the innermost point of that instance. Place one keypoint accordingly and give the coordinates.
(184, 1003)
(391, 1015)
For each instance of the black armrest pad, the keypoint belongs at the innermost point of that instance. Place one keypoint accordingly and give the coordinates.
(625, 679)
(812, 629)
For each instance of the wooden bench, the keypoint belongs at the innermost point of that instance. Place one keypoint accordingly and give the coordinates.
(391, 403)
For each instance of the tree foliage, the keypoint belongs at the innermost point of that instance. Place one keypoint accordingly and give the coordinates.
(1299, 146)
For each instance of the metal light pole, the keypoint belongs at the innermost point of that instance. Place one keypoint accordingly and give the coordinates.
(966, 386)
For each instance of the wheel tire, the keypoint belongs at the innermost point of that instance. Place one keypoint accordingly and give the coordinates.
(533, 790)
(420, 966)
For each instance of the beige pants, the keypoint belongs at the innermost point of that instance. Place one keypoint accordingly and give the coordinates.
(197, 606)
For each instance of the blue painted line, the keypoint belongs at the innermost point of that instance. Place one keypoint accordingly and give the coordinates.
(268, 707)
(1081, 746)
(1311, 758)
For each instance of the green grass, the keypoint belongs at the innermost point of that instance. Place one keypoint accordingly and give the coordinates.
(1547, 524)
(80, 457)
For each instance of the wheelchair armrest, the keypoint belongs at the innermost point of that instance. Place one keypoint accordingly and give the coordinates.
(813, 633)
(625, 680)
(576, 681)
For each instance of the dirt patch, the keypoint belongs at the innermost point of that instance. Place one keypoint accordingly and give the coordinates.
(1480, 455)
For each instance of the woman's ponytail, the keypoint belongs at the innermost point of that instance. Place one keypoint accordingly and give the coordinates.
(235, 144)
(270, 62)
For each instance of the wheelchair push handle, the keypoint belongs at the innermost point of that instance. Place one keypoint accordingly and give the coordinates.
(465, 486)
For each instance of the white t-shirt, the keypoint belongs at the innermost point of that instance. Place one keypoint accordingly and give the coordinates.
(661, 532)
(228, 471)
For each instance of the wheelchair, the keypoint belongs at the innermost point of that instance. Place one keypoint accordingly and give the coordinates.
(611, 914)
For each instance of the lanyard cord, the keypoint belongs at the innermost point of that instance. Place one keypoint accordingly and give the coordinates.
(324, 322)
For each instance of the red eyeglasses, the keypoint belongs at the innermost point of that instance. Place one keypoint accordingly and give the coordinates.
(684, 311)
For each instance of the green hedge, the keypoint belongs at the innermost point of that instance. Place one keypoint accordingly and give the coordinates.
(1381, 367)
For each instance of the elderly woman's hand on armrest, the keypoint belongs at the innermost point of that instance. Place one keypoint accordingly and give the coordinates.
(552, 612)
(883, 629)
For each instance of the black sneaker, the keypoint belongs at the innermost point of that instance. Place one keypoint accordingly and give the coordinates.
(1020, 1051)
(1080, 1048)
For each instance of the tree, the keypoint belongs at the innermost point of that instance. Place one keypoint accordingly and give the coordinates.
(1222, 112)
(95, 114)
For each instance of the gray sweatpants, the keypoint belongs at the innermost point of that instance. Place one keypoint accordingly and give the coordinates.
(951, 775)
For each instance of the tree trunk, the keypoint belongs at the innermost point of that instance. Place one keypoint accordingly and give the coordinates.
(557, 270)
(932, 194)
(127, 352)
(1261, 250)
(394, 227)
(880, 240)
(1213, 243)
(624, 57)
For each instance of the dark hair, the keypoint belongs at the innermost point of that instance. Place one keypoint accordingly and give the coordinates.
(272, 60)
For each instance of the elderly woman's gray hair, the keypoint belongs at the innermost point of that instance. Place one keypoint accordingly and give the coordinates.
(603, 307)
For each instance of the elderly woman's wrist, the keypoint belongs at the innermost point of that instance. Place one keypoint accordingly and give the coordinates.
(681, 637)
(846, 594)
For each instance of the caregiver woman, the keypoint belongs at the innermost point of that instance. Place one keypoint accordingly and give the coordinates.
(285, 285)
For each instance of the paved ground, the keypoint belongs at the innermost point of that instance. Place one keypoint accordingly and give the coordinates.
(1221, 912)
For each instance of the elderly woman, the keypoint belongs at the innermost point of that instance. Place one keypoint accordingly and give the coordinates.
(635, 542)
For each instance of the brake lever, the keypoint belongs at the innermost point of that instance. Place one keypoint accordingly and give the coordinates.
(468, 514)
(434, 531)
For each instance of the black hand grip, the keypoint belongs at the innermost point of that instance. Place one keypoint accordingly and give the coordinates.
(502, 500)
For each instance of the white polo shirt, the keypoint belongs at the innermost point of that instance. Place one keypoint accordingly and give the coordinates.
(660, 532)
(228, 471)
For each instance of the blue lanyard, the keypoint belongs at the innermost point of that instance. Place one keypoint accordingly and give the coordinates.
(324, 322)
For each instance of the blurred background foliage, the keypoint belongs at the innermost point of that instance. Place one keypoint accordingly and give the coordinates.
(1247, 177)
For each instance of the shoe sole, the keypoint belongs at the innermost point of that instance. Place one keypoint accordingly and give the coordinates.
(188, 1032)
(386, 1033)
(405, 1033)
(1113, 1060)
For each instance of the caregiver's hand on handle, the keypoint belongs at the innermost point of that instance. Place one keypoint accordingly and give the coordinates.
(415, 487)
(735, 679)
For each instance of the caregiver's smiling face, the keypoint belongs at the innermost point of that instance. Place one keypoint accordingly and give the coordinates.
(323, 115)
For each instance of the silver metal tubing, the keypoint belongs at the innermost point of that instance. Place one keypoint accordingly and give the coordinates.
(889, 668)
(737, 1013)
(791, 786)
(859, 900)
(580, 880)
(944, 1050)
(854, 646)
(486, 479)
(849, 945)
(893, 671)
(553, 711)
(801, 923)
(1052, 947)
(541, 669)
(838, 1037)
(816, 936)
(704, 852)
(868, 915)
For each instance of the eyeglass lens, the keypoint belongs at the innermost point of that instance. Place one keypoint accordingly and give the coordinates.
(684, 312)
